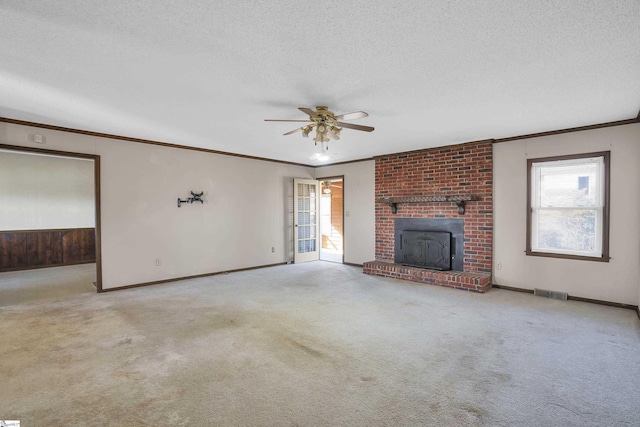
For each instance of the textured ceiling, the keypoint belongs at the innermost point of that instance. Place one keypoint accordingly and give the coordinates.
(429, 73)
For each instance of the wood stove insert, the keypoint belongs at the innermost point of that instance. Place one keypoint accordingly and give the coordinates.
(432, 243)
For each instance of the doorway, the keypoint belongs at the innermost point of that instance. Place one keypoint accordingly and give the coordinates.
(332, 219)
(306, 220)
(49, 224)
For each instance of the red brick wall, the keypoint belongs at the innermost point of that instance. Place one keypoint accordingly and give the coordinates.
(465, 169)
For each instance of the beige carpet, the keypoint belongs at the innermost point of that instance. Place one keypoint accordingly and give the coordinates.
(317, 344)
(19, 287)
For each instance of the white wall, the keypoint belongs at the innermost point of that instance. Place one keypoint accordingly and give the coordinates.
(43, 192)
(615, 281)
(359, 208)
(246, 211)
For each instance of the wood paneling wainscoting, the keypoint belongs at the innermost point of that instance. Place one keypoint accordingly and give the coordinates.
(27, 249)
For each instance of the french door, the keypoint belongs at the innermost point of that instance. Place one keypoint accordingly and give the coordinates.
(305, 216)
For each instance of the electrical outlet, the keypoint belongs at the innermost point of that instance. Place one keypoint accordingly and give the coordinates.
(273, 249)
(347, 213)
(39, 139)
(158, 262)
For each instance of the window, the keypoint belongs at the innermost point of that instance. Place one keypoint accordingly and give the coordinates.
(568, 207)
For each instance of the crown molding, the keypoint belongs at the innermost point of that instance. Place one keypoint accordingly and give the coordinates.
(244, 156)
(143, 141)
(366, 159)
(441, 147)
(569, 130)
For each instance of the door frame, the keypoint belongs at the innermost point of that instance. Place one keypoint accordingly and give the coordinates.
(96, 192)
(343, 205)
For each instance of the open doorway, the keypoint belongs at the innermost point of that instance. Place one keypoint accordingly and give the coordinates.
(49, 224)
(332, 219)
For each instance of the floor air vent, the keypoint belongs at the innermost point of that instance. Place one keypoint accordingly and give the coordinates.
(550, 294)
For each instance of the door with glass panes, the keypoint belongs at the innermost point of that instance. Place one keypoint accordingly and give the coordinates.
(305, 214)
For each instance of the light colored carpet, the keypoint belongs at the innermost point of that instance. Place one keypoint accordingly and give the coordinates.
(317, 344)
(19, 287)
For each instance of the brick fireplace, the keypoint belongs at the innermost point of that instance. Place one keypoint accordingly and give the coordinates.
(453, 182)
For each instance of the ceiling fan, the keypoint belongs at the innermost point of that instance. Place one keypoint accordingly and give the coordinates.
(327, 125)
(326, 186)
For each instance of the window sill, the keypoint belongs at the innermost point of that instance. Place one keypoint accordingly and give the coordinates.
(566, 256)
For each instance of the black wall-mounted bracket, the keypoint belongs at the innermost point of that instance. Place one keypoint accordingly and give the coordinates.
(195, 197)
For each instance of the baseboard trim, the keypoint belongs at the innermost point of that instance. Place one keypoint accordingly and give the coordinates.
(196, 276)
(509, 288)
(37, 267)
(352, 264)
(609, 303)
(572, 298)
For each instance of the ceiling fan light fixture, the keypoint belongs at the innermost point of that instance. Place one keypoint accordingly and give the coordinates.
(327, 125)
(306, 131)
(335, 132)
(321, 137)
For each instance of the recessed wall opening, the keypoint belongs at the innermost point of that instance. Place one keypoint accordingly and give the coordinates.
(49, 227)
(332, 219)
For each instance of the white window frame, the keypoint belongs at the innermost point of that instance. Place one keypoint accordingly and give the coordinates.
(601, 210)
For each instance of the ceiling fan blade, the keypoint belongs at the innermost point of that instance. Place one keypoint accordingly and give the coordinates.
(308, 111)
(351, 116)
(356, 127)
(298, 121)
(293, 131)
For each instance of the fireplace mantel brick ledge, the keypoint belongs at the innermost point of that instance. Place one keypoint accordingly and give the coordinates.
(474, 282)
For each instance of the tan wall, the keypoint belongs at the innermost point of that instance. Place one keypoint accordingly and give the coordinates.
(359, 208)
(615, 281)
(247, 208)
(44, 192)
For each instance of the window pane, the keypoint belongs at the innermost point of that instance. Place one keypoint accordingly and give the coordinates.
(569, 185)
(566, 229)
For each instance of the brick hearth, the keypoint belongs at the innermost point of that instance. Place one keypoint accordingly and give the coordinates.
(474, 282)
(460, 170)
